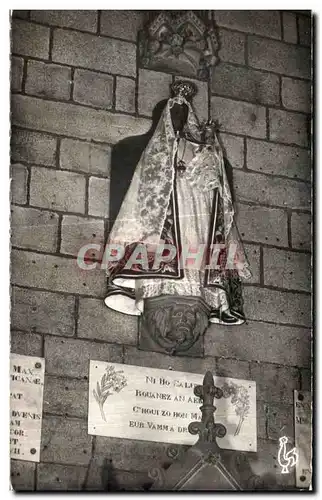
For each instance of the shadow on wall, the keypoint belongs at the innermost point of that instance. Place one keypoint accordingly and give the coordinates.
(125, 157)
(111, 482)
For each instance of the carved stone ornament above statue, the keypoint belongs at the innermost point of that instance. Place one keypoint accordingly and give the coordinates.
(182, 43)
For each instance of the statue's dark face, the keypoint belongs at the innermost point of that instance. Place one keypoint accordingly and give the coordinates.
(179, 115)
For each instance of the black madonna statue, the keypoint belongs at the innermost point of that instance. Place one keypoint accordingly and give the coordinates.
(174, 256)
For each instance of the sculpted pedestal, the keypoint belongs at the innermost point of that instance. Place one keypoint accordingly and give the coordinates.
(174, 325)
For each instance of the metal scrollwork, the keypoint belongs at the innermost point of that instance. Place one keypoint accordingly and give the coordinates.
(207, 429)
(204, 463)
(157, 474)
(213, 458)
(174, 452)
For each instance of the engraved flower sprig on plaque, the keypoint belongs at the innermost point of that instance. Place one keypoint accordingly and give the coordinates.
(111, 382)
(240, 399)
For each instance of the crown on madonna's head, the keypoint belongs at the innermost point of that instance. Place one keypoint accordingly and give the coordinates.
(183, 88)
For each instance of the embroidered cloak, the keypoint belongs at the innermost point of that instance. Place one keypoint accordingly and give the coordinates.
(150, 215)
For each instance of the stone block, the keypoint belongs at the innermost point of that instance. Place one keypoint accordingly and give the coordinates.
(98, 196)
(74, 120)
(263, 304)
(133, 356)
(85, 157)
(280, 421)
(261, 417)
(21, 14)
(153, 88)
(296, 94)
(28, 344)
(103, 54)
(70, 357)
(239, 117)
(261, 22)
(232, 368)
(289, 27)
(66, 396)
(19, 183)
(93, 89)
(246, 84)
(232, 47)
(259, 341)
(42, 312)
(305, 12)
(57, 190)
(95, 480)
(122, 23)
(290, 128)
(274, 383)
(129, 480)
(128, 454)
(56, 477)
(22, 475)
(16, 74)
(265, 464)
(291, 270)
(305, 24)
(79, 231)
(253, 256)
(34, 229)
(125, 94)
(101, 477)
(268, 190)
(28, 39)
(48, 80)
(65, 440)
(33, 147)
(262, 225)
(96, 321)
(53, 273)
(301, 231)
(83, 20)
(233, 149)
(306, 379)
(277, 159)
(279, 57)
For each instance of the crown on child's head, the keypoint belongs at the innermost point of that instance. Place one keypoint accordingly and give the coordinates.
(184, 88)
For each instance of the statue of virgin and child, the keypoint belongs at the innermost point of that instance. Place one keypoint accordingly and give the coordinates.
(182, 261)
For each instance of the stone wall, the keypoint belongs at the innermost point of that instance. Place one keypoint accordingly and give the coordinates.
(76, 91)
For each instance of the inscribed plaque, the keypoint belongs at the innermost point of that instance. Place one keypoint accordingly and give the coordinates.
(136, 402)
(26, 401)
(303, 437)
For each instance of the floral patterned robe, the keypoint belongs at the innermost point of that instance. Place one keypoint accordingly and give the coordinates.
(177, 206)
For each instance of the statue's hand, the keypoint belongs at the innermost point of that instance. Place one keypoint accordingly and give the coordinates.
(209, 130)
